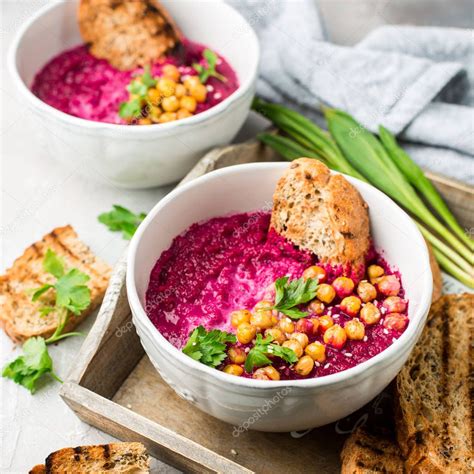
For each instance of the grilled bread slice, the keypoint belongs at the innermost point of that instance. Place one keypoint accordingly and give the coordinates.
(19, 316)
(127, 34)
(365, 452)
(98, 459)
(321, 212)
(435, 390)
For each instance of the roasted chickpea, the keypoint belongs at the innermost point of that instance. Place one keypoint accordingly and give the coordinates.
(145, 121)
(170, 104)
(183, 113)
(355, 330)
(344, 286)
(316, 307)
(351, 305)
(370, 314)
(325, 322)
(305, 326)
(171, 72)
(301, 338)
(395, 321)
(394, 304)
(304, 366)
(388, 285)
(335, 336)
(199, 92)
(315, 272)
(155, 113)
(239, 317)
(246, 332)
(266, 373)
(166, 87)
(233, 369)
(295, 346)
(325, 293)
(276, 334)
(236, 355)
(180, 91)
(263, 305)
(189, 103)
(262, 320)
(316, 351)
(167, 117)
(374, 272)
(315, 322)
(366, 291)
(287, 325)
(154, 96)
(191, 81)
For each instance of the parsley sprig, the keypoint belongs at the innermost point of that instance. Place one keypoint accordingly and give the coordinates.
(121, 219)
(71, 295)
(290, 294)
(138, 89)
(209, 348)
(205, 72)
(258, 355)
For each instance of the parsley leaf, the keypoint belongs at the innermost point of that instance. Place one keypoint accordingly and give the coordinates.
(209, 348)
(210, 71)
(138, 89)
(71, 295)
(290, 294)
(28, 368)
(131, 109)
(53, 264)
(71, 290)
(147, 78)
(121, 219)
(258, 355)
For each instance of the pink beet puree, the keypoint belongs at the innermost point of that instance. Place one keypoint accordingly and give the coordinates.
(229, 263)
(79, 84)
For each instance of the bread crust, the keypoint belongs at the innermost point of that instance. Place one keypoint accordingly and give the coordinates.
(19, 316)
(127, 33)
(365, 453)
(322, 212)
(435, 390)
(102, 458)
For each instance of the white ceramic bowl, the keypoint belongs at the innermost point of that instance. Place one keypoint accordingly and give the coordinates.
(295, 405)
(139, 156)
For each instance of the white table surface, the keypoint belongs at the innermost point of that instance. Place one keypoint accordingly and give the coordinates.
(37, 195)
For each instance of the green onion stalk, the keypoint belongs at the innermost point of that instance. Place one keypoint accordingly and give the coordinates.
(382, 165)
(421, 183)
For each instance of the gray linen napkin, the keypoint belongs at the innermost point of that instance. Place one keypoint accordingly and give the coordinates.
(416, 81)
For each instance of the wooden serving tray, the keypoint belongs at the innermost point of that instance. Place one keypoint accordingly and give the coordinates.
(114, 387)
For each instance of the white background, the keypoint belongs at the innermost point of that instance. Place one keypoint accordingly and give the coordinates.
(37, 195)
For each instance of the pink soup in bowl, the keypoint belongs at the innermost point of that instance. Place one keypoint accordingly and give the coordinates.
(75, 98)
(196, 265)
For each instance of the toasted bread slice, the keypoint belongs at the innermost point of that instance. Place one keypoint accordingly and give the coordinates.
(434, 388)
(19, 316)
(38, 469)
(365, 452)
(321, 212)
(127, 34)
(98, 459)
